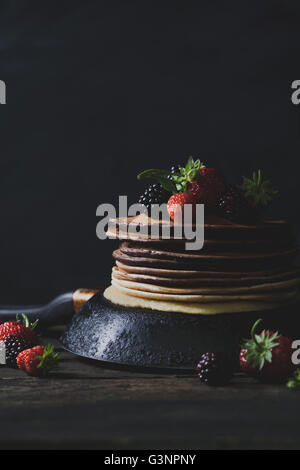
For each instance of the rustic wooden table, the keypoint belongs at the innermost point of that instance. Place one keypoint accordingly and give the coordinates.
(84, 406)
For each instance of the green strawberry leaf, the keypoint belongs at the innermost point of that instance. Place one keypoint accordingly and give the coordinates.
(25, 321)
(258, 190)
(294, 383)
(161, 176)
(49, 360)
(153, 173)
(168, 185)
(259, 347)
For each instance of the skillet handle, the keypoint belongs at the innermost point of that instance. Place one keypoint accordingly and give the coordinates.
(81, 296)
(58, 311)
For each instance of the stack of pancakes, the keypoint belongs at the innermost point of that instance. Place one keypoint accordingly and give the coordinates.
(241, 268)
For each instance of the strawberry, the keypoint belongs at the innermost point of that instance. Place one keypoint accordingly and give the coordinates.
(257, 191)
(214, 180)
(205, 184)
(176, 205)
(267, 356)
(202, 193)
(21, 328)
(246, 366)
(38, 361)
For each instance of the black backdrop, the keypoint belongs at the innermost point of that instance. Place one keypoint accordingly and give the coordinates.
(99, 90)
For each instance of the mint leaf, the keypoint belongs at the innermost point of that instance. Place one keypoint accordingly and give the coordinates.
(168, 185)
(162, 177)
(153, 173)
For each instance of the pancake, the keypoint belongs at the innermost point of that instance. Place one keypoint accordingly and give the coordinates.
(123, 299)
(207, 298)
(189, 274)
(273, 287)
(213, 262)
(212, 246)
(195, 257)
(215, 227)
(201, 281)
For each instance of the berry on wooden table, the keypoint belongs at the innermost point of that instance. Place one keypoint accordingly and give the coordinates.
(215, 368)
(20, 327)
(13, 346)
(267, 355)
(38, 361)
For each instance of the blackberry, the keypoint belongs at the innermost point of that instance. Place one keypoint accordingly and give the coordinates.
(215, 368)
(154, 194)
(13, 346)
(174, 169)
(233, 205)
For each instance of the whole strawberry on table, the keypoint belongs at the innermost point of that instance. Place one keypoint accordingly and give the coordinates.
(20, 344)
(267, 356)
(194, 183)
(38, 361)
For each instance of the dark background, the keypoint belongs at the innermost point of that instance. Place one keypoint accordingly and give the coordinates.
(99, 90)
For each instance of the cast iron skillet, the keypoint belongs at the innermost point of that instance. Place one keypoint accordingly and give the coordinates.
(145, 338)
(132, 337)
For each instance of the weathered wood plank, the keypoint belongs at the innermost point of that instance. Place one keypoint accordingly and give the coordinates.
(85, 406)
